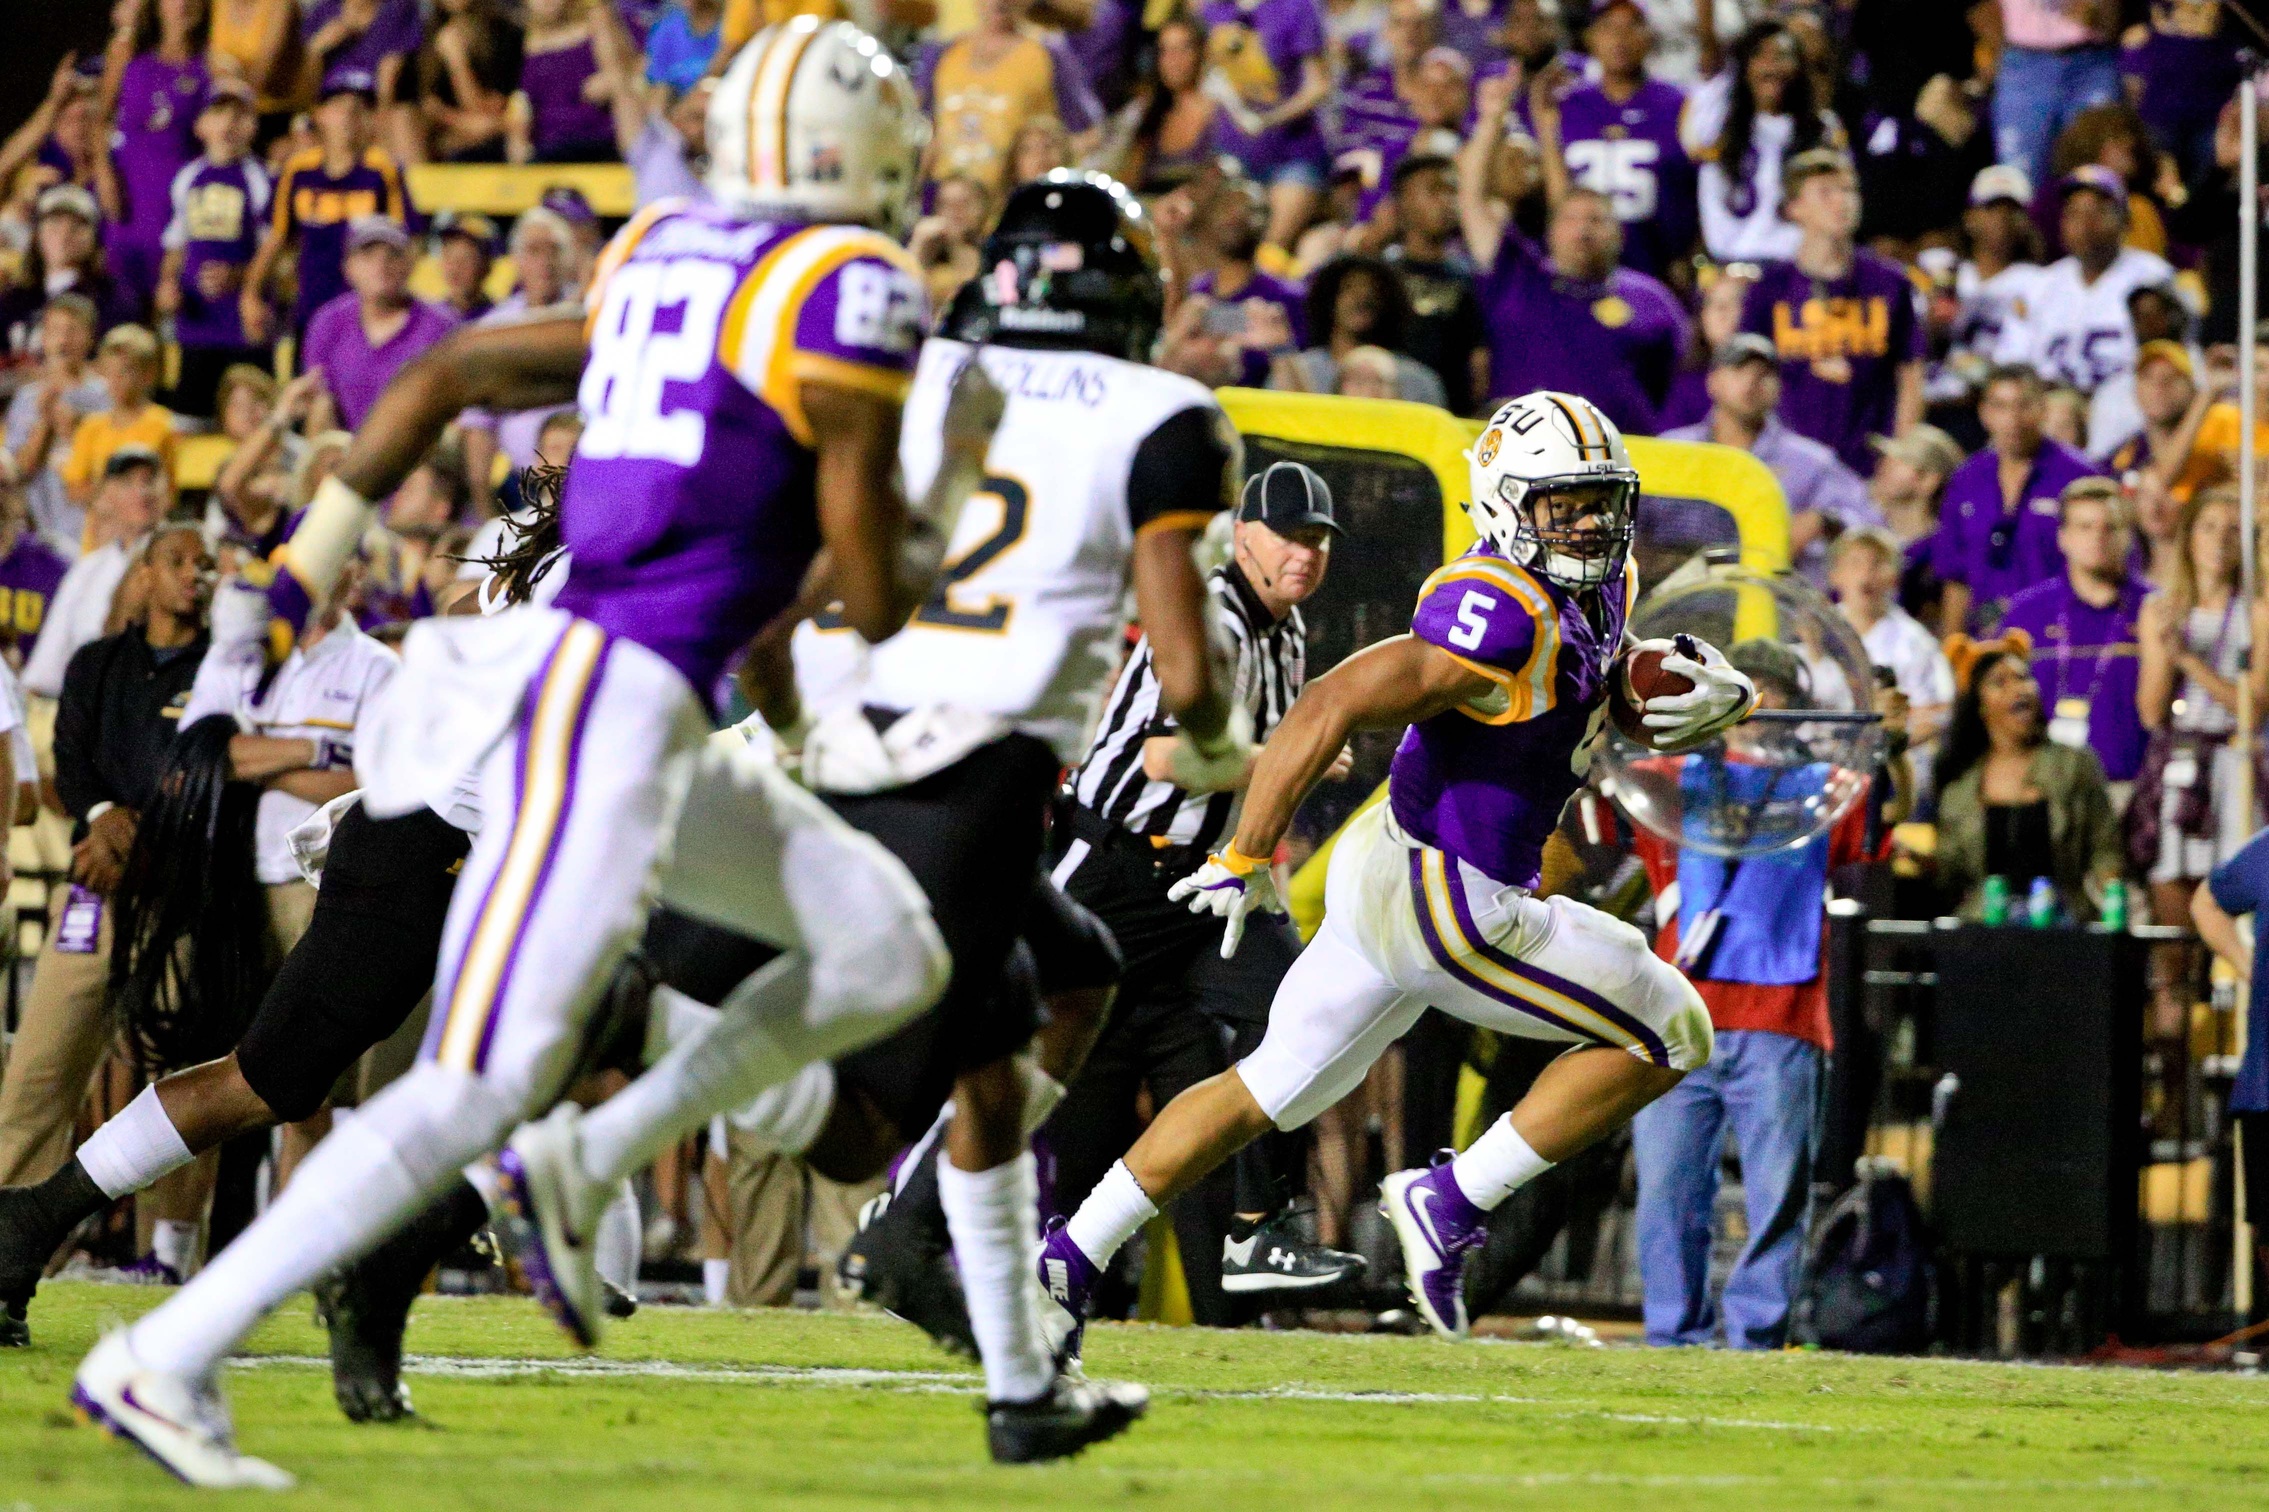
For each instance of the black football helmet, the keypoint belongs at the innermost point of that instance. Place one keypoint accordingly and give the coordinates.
(1071, 265)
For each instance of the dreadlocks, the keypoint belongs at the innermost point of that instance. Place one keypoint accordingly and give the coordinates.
(189, 956)
(535, 542)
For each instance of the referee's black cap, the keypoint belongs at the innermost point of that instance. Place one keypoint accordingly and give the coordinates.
(1288, 496)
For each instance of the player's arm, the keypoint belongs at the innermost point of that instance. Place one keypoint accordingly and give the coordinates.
(1170, 599)
(504, 367)
(1183, 474)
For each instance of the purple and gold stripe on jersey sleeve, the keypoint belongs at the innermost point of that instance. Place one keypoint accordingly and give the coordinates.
(757, 342)
(549, 755)
(1532, 688)
(1445, 919)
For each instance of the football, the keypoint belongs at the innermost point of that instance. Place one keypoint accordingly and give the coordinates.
(1639, 675)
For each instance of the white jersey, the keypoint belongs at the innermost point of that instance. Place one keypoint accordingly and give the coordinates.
(1989, 307)
(2076, 332)
(1027, 623)
(1741, 202)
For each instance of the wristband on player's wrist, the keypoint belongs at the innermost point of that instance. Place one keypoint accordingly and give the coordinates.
(1235, 860)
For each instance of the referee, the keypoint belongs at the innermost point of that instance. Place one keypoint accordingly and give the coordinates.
(1184, 1014)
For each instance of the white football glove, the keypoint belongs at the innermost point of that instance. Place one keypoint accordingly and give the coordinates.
(1230, 886)
(1722, 695)
(1216, 765)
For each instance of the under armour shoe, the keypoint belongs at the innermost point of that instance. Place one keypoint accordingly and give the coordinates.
(182, 1424)
(901, 1260)
(548, 1201)
(1437, 1225)
(1068, 1277)
(1272, 1255)
(1062, 1420)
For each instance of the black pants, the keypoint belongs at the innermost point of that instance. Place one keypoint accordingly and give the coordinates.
(1183, 1014)
(971, 835)
(366, 959)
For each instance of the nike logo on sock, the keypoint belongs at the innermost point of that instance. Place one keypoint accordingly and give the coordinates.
(1059, 1282)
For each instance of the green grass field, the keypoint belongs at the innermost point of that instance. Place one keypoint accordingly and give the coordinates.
(686, 1410)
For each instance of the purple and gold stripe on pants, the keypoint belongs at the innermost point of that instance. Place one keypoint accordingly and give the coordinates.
(1445, 918)
(548, 754)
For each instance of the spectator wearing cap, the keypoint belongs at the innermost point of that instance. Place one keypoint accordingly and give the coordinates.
(2057, 59)
(543, 254)
(2077, 328)
(220, 202)
(362, 45)
(1842, 318)
(321, 191)
(2164, 386)
(1992, 282)
(1617, 134)
(129, 363)
(1182, 1014)
(1997, 534)
(1566, 316)
(1907, 486)
(361, 339)
(1825, 498)
(2160, 319)
(2082, 626)
(30, 571)
(590, 238)
(2204, 446)
(1445, 329)
(65, 257)
(128, 500)
(464, 246)
(45, 413)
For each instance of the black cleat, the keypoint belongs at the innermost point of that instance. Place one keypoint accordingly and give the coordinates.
(1062, 1420)
(1274, 1256)
(15, 1329)
(366, 1346)
(619, 1303)
(903, 1266)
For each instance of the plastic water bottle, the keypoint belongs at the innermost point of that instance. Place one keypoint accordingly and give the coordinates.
(1993, 907)
(2040, 904)
(2115, 905)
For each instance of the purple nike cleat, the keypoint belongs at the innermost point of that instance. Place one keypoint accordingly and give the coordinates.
(1437, 1224)
(1068, 1277)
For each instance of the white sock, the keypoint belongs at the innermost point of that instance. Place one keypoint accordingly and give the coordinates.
(1496, 1165)
(789, 1117)
(174, 1244)
(726, 1063)
(1110, 1215)
(355, 1188)
(620, 1241)
(135, 1148)
(993, 1216)
(716, 1275)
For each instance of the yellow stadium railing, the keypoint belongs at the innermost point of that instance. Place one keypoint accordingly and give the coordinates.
(509, 188)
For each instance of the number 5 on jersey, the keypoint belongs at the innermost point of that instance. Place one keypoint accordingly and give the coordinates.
(1473, 622)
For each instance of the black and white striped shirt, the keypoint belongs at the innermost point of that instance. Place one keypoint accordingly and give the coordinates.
(1270, 658)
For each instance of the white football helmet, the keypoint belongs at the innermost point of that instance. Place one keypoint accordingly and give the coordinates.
(815, 120)
(1554, 489)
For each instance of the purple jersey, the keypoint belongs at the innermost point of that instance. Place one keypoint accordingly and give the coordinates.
(316, 205)
(1261, 50)
(1486, 785)
(218, 212)
(1631, 153)
(29, 574)
(158, 104)
(1996, 550)
(1617, 342)
(1842, 342)
(395, 30)
(690, 507)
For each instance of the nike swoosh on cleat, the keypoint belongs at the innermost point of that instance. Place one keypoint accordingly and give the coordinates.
(126, 1395)
(1423, 1212)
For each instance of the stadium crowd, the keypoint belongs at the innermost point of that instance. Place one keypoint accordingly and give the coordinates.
(1963, 276)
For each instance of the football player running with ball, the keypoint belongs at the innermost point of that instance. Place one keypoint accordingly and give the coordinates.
(1503, 681)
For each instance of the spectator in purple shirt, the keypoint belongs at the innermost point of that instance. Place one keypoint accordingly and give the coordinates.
(1566, 316)
(1825, 498)
(562, 113)
(361, 339)
(1267, 71)
(363, 44)
(30, 569)
(155, 79)
(1998, 525)
(220, 204)
(1842, 318)
(2180, 70)
(1261, 315)
(2082, 625)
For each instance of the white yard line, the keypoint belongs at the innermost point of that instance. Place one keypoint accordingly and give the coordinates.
(968, 1384)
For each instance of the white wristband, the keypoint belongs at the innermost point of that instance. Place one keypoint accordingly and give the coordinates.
(328, 537)
(99, 810)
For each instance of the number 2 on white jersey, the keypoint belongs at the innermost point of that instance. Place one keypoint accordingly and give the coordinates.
(632, 362)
